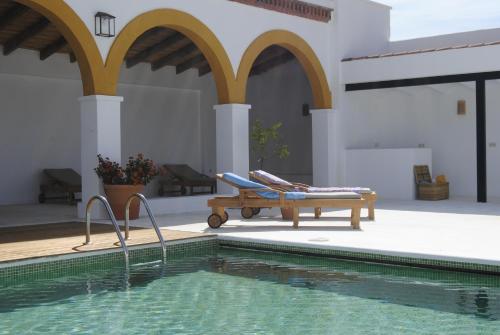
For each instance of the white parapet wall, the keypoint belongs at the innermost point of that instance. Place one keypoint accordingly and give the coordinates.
(389, 172)
(177, 205)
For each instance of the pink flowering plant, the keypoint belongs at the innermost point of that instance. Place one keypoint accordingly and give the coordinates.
(140, 170)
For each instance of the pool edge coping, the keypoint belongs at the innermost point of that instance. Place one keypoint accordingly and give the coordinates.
(335, 252)
(367, 255)
(84, 254)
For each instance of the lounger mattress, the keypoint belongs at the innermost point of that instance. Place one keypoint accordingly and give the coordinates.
(361, 190)
(333, 195)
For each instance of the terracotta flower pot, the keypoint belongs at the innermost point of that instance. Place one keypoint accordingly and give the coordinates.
(118, 196)
(287, 214)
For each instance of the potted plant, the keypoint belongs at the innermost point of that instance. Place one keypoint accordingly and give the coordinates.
(267, 142)
(120, 183)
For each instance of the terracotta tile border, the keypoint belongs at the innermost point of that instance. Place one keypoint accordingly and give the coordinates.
(292, 7)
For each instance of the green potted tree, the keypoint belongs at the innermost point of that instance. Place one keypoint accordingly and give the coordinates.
(267, 142)
(120, 183)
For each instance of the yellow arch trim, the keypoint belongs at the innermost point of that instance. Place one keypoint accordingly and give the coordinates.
(76, 33)
(186, 24)
(304, 53)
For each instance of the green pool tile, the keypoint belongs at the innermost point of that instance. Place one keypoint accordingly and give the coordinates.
(364, 256)
(50, 268)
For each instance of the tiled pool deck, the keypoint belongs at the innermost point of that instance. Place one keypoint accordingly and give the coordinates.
(457, 234)
(65, 239)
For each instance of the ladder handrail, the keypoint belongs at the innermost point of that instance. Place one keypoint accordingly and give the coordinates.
(113, 220)
(151, 218)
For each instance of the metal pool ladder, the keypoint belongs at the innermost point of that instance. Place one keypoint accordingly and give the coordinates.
(90, 203)
(151, 218)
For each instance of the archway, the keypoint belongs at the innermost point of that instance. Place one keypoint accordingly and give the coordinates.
(281, 78)
(304, 54)
(171, 70)
(40, 85)
(190, 27)
(78, 37)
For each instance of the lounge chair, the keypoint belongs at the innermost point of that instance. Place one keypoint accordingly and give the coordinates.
(61, 184)
(183, 176)
(254, 195)
(271, 180)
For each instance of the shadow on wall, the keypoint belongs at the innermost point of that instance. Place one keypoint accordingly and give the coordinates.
(278, 95)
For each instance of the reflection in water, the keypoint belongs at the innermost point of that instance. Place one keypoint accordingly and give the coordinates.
(463, 294)
(482, 304)
(452, 294)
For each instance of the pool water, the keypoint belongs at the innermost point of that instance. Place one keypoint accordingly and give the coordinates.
(242, 292)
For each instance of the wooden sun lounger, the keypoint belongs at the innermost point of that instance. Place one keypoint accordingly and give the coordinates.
(368, 198)
(61, 183)
(184, 176)
(249, 198)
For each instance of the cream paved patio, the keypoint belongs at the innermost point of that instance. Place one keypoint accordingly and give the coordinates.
(458, 230)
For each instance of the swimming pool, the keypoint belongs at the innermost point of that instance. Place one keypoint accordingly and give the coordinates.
(242, 292)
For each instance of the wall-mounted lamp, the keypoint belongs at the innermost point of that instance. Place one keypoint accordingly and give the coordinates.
(104, 24)
(306, 110)
(461, 107)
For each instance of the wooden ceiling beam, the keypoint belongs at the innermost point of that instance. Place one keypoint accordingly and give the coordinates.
(204, 69)
(269, 54)
(52, 48)
(145, 54)
(11, 14)
(276, 61)
(174, 56)
(16, 41)
(190, 63)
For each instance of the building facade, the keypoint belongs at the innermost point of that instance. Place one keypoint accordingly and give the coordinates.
(183, 80)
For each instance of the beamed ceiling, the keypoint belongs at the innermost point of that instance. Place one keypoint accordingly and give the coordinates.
(22, 27)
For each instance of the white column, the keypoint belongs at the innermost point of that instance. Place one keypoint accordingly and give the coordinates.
(100, 134)
(232, 141)
(324, 150)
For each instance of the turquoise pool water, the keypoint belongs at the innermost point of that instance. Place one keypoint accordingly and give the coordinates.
(240, 292)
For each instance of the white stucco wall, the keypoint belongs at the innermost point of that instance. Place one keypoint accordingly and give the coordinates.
(40, 124)
(427, 115)
(163, 124)
(208, 98)
(361, 27)
(448, 62)
(37, 131)
(493, 137)
(278, 96)
(168, 117)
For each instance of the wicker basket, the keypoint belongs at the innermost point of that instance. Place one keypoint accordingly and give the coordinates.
(426, 189)
(433, 191)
